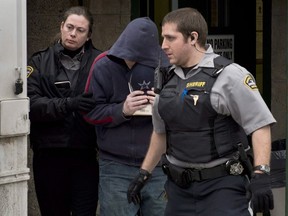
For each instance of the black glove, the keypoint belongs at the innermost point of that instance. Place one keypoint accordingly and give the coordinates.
(261, 194)
(83, 103)
(133, 193)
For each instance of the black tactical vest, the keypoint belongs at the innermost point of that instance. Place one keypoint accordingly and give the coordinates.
(195, 132)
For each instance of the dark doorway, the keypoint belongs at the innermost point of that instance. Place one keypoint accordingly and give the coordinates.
(233, 18)
(227, 17)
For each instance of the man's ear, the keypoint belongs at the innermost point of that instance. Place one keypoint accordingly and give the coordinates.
(194, 37)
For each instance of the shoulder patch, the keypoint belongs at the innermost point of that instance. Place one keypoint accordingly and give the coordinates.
(250, 82)
(30, 70)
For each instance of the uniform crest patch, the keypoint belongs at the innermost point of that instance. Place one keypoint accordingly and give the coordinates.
(29, 71)
(250, 82)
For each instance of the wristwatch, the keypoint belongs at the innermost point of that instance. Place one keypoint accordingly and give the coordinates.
(264, 168)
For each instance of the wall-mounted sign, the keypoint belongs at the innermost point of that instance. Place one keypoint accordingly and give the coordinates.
(222, 45)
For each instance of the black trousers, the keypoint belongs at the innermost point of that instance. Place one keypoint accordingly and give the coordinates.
(223, 196)
(66, 181)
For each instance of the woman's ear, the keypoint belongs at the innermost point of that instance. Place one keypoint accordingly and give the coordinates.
(89, 35)
(62, 25)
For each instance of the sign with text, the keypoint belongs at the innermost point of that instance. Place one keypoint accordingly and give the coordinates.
(222, 45)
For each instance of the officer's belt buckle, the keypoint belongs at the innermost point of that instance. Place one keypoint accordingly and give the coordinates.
(234, 167)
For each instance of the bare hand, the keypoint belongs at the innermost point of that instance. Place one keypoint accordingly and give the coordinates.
(151, 96)
(136, 100)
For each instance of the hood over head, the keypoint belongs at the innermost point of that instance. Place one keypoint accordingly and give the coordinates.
(138, 42)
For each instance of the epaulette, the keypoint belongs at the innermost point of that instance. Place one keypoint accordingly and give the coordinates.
(220, 63)
(40, 51)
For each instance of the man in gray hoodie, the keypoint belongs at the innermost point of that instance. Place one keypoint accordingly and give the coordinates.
(121, 83)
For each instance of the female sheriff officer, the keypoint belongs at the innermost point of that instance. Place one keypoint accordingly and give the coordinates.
(65, 152)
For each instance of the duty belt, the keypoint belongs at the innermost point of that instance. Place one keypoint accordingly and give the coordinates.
(184, 176)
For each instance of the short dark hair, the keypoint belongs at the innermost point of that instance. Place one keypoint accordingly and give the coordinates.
(80, 10)
(188, 20)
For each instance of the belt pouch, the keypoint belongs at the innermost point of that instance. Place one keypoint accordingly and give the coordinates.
(177, 174)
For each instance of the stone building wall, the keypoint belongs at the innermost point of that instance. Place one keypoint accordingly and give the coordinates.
(44, 18)
(279, 82)
(279, 67)
(43, 23)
